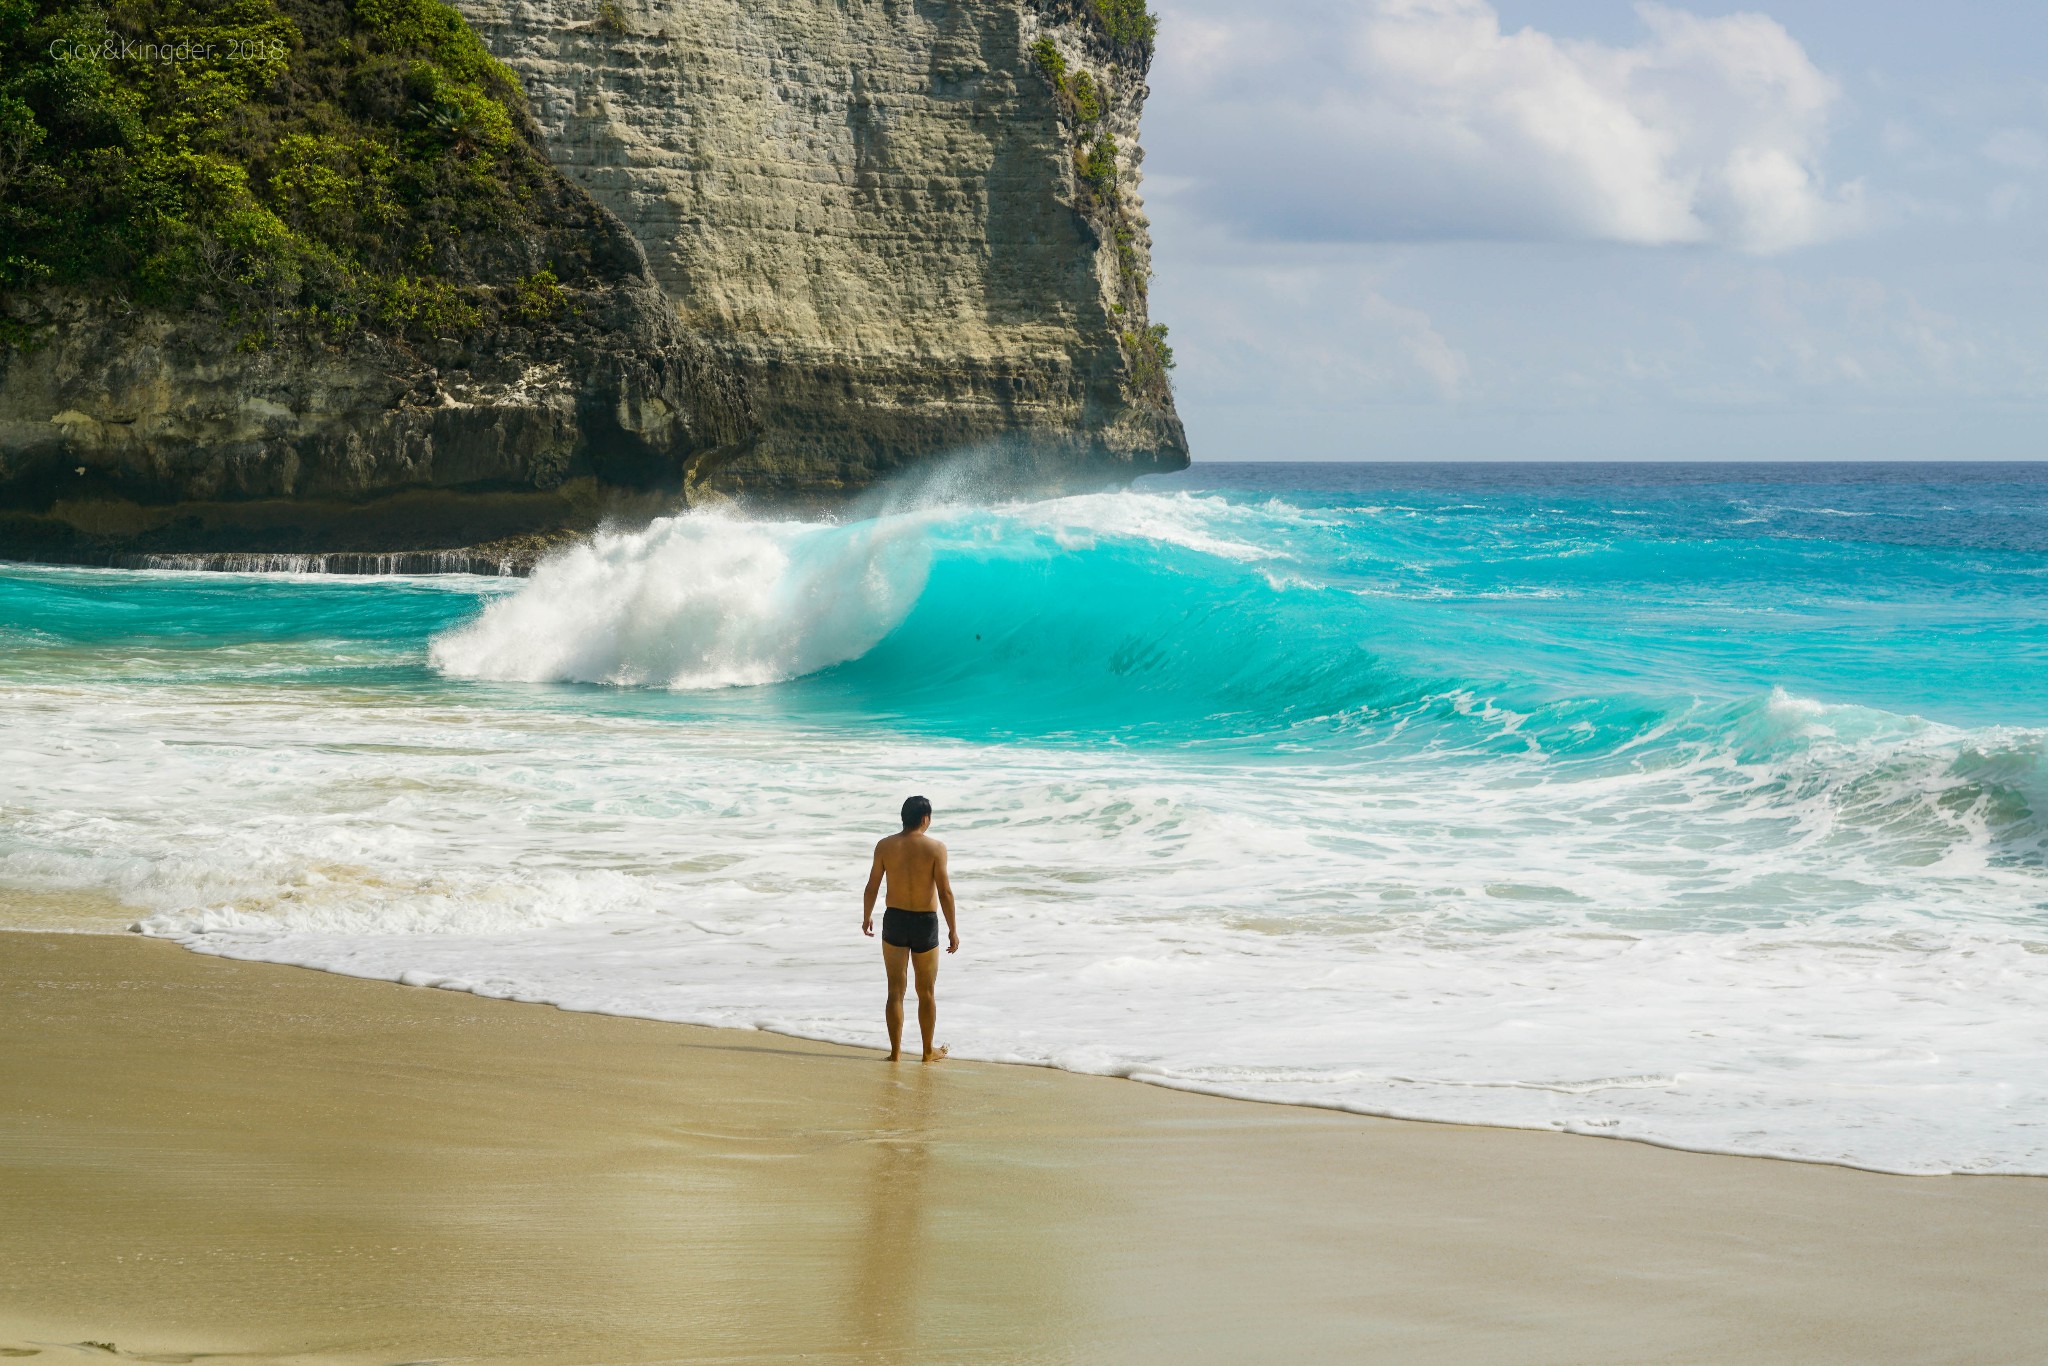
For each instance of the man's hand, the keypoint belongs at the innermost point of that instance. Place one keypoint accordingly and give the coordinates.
(952, 941)
(868, 893)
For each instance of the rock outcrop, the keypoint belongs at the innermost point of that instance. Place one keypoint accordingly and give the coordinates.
(129, 431)
(824, 242)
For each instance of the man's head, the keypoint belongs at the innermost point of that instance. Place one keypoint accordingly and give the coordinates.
(916, 812)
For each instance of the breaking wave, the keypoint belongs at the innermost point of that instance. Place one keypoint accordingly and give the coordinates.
(701, 601)
(1186, 621)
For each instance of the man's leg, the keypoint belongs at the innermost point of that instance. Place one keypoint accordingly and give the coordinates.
(896, 959)
(927, 967)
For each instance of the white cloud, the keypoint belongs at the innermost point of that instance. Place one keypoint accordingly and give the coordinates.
(2017, 147)
(1425, 347)
(1328, 326)
(2005, 201)
(1342, 120)
(1819, 332)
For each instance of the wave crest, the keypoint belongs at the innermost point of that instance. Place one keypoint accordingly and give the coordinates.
(698, 601)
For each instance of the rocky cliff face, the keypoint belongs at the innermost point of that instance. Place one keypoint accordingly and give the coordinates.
(833, 239)
(130, 432)
(872, 210)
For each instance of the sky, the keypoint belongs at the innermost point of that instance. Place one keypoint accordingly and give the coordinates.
(1596, 229)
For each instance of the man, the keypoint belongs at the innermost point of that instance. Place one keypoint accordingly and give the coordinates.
(915, 865)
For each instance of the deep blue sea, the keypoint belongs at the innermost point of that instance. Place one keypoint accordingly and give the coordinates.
(1699, 804)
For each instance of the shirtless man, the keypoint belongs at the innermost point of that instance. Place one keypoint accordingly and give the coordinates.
(915, 865)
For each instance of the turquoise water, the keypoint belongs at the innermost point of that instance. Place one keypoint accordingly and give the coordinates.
(1702, 805)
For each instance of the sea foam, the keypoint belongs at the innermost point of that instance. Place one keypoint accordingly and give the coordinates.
(698, 601)
(1512, 817)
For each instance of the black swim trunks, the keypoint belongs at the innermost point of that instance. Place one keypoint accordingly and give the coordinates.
(917, 931)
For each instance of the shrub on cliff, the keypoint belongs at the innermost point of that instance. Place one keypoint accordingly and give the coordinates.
(1080, 99)
(1150, 358)
(1127, 22)
(292, 164)
(1050, 60)
(1087, 103)
(1097, 167)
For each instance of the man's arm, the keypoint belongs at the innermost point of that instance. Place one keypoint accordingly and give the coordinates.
(945, 886)
(867, 898)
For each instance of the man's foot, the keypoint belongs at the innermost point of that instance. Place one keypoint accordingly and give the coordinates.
(894, 1057)
(937, 1053)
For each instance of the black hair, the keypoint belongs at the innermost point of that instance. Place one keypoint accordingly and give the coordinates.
(916, 811)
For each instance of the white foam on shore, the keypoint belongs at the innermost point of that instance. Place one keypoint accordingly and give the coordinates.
(1866, 1058)
(1362, 937)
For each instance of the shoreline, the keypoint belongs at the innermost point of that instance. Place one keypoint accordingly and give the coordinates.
(1137, 1077)
(1142, 1078)
(211, 1154)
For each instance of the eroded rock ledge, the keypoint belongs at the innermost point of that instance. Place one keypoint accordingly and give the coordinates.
(132, 432)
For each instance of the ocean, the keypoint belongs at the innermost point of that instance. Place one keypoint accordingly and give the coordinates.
(1701, 805)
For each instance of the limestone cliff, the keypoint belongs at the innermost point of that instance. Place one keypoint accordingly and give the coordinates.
(810, 243)
(873, 209)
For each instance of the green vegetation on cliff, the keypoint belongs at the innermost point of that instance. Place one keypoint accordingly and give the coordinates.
(1077, 94)
(1083, 103)
(1127, 22)
(1128, 25)
(1150, 359)
(296, 165)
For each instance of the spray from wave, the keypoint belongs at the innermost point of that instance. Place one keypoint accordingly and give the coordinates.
(698, 601)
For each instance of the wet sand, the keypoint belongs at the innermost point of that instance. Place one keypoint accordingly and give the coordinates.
(269, 1164)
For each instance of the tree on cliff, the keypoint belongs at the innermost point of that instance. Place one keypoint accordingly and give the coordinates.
(308, 166)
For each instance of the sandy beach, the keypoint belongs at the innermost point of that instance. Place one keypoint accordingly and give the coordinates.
(205, 1158)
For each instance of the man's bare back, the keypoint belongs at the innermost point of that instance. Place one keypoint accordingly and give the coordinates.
(910, 864)
(913, 864)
